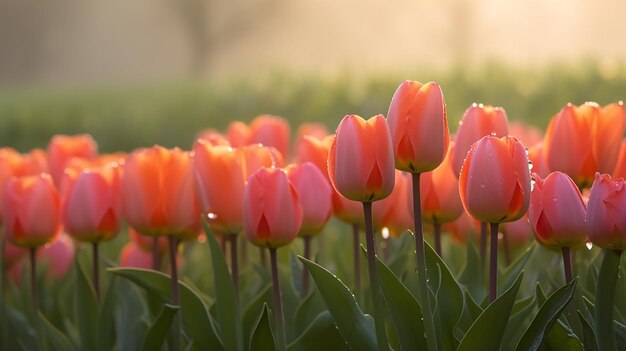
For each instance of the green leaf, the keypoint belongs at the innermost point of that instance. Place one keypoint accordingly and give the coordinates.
(487, 330)
(604, 299)
(86, 310)
(589, 336)
(472, 276)
(507, 278)
(356, 327)
(263, 336)
(406, 314)
(450, 299)
(320, 335)
(226, 300)
(560, 337)
(158, 331)
(56, 339)
(251, 313)
(195, 316)
(131, 316)
(518, 322)
(620, 335)
(308, 310)
(296, 272)
(106, 324)
(545, 317)
(471, 311)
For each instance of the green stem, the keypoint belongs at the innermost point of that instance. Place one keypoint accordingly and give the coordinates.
(377, 299)
(493, 263)
(33, 280)
(305, 271)
(156, 257)
(567, 264)
(422, 278)
(96, 270)
(234, 264)
(278, 303)
(483, 245)
(176, 323)
(604, 300)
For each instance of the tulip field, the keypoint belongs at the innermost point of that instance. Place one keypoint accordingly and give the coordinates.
(397, 230)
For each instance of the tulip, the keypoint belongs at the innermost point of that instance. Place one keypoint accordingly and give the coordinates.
(314, 130)
(314, 150)
(271, 131)
(158, 198)
(583, 140)
(157, 245)
(58, 256)
(132, 255)
(463, 228)
(213, 137)
(31, 216)
(606, 224)
(515, 235)
(238, 134)
(272, 218)
(63, 148)
(528, 135)
(494, 185)
(620, 167)
(395, 212)
(557, 215)
(361, 168)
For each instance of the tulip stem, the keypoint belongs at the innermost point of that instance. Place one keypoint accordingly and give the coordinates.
(156, 257)
(604, 300)
(483, 245)
(96, 270)
(234, 267)
(437, 232)
(357, 258)
(278, 303)
(33, 280)
(493, 263)
(567, 264)
(173, 244)
(377, 299)
(422, 278)
(305, 271)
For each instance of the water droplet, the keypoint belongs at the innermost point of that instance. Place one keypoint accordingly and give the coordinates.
(530, 166)
(554, 199)
(385, 232)
(482, 186)
(211, 215)
(589, 245)
(492, 134)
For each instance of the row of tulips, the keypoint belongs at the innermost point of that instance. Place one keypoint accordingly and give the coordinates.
(379, 175)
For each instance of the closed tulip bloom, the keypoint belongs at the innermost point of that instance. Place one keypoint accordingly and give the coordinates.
(58, 256)
(419, 126)
(557, 212)
(238, 134)
(314, 196)
(528, 135)
(396, 211)
(257, 156)
(63, 148)
(132, 255)
(360, 161)
(271, 131)
(495, 181)
(272, 214)
(606, 221)
(158, 196)
(31, 211)
(91, 203)
(463, 228)
(10, 165)
(145, 242)
(582, 140)
(518, 232)
(316, 130)
(213, 137)
(620, 167)
(314, 150)
(440, 198)
(12, 253)
(478, 121)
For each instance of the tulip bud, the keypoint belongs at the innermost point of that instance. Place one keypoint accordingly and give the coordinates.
(57, 256)
(271, 131)
(63, 148)
(314, 196)
(606, 222)
(440, 193)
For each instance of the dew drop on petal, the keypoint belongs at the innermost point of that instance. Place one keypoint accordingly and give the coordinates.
(211, 215)
(589, 245)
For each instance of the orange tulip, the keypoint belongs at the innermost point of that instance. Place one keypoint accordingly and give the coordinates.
(463, 228)
(495, 181)
(238, 134)
(620, 167)
(145, 242)
(361, 161)
(606, 221)
(518, 232)
(271, 131)
(158, 196)
(440, 193)
(272, 215)
(213, 137)
(419, 126)
(63, 148)
(478, 120)
(31, 211)
(91, 202)
(312, 149)
(314, 196)
(220, 174)
(396, 211)
(528, 135)
(57, 256)
(315, 130)
(557, 211)
(583, 140)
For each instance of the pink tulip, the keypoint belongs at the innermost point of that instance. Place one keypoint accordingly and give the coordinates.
(557, 212)
(272, 215)
(57, 256)
(518, 232)
(238, 134)
(418, 125)
(440, 198)
(606, 221)
(133, 256)
(361, 161)
(63, 148)
(271, 131)
(395, 212)
(314, 196)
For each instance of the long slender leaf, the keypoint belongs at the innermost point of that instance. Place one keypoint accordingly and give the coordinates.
(86, 309)
(159, 329)
(131, 316)
(255, 307)
(589, 335)
(320, 335)
(262, 335)
(472, 276)
(56, 339)
(195, 316)
(106, 318)
(227, 304)
(487, 331)
(546, 316)
(356, 327)
(507, 278)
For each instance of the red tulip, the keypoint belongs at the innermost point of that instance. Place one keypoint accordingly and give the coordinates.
(12, 253)
(418, 125)
(272, 215)
(57, 256)
(91, 201)
(360, 161)
(606, 221)
(271, 131)
(158, 196)
(440, 193)
(63, 148)
(557, 211)
(314, 196)
(583, 140)
(31, 210)
(495, 181)
(478, 121)
(132, 255)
